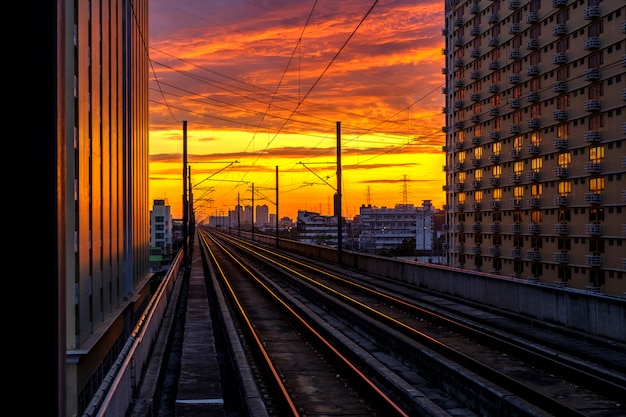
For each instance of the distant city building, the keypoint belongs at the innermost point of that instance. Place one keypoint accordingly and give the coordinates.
(262, 215)
(318, 229)
(535, 127)
(383, 228)
(161, 227)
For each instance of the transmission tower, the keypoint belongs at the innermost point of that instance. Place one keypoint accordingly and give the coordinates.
(404, 191)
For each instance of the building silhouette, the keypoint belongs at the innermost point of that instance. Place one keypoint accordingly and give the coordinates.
(535, 127)
(88, 87)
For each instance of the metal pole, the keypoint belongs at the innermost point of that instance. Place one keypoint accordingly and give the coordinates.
(252, 211)
(185, 214)
(277, 222)
(339, 218)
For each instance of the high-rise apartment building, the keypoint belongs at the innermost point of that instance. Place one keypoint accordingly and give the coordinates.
(535, 127)
(88, 95)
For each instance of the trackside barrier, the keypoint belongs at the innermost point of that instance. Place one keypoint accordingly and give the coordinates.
(114, 395)
(589, 312)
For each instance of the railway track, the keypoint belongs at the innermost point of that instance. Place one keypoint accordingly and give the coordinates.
(325, 341)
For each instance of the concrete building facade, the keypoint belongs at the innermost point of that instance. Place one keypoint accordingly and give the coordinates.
(90, 92)
(535, 127)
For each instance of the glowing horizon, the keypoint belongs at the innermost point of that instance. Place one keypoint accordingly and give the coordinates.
(259, 90)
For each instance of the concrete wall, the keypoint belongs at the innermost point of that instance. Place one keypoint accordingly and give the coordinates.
(594, 313)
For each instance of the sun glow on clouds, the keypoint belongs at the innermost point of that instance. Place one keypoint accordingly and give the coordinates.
(260, 95)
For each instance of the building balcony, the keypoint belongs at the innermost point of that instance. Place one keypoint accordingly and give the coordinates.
(561, 257)
(475, 31)
(475, 162)
(494, 205)
(592, 106)
(493, 18)
(592, 167)
(561, 228)
(493, 88)
(475, 75)
(532, 176)
(459, 186)
(494, 251)
(533, 149)
(532, 70)
(593, 229)
(559, 114)
(494, 158)
(494, 182)
(560, 172)
(560, 200)
(514, 29)
(475, 118)
(458, 104)
(514, 79)
(460, 227)
(516, 203)
(592, 136)
(459, 207)
(516, 178)
(458, 22)
(591, 12)
(459, 145)
(514, 4)
(559, 30)
(494, 65)
(475, 96)
(559, 87)
(515, 103)
(476, 206)
(459, 84)
(494, 111)
(476, 228)
(532, 44)
(445, 187)
(458, 63)
(515, 253)
(533, 254)
(475, 184)
(532, 18)
(475, 250)
(559, 58)
(532, 97)
(515, 129)
(475, 53)
(475, 9)
(445, 226)
(560, 143)
(534, 229)
(494, 135)
(475, 140)
(458, 124)
(593, 260)
(593, 198)
(592, 74)
(592, 43)
(534, 123)
(493, 42)
(458, 166)
(516, 228)
(514, 53)
(559, 3)
(495, 228)
(458, 42)
(459, 248)
(533, 202)
(515, 153)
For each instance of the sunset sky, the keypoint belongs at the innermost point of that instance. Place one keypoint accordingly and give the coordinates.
(262, 84)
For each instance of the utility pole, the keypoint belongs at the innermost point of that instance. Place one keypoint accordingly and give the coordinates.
(338, 204)
(252, 211)
(277, 221)
(185, 207)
